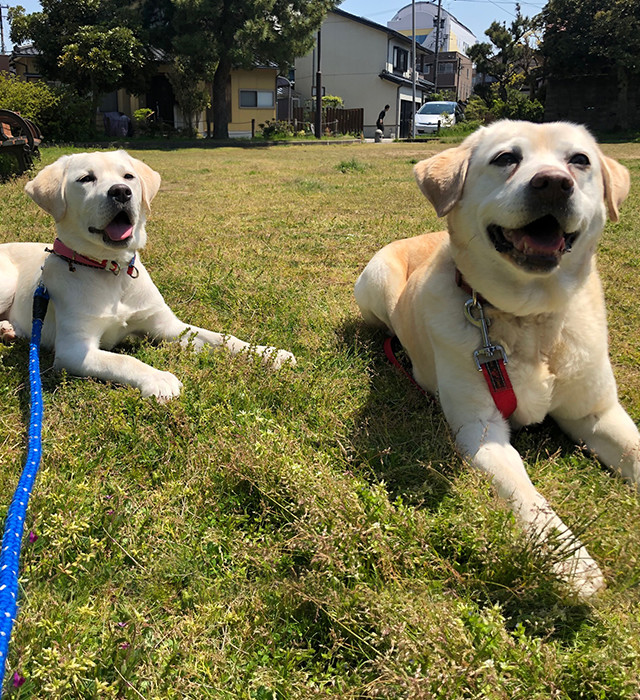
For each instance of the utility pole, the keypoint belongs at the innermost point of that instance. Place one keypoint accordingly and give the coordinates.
(413, 67)
(5, 7)
(318, 120)
(435, 62)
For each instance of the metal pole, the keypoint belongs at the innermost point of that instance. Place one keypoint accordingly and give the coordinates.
(413, 67)
(318, 125)
(2, 27)
(435, 63)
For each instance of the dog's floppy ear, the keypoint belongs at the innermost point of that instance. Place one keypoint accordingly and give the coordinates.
(47, 188)
(616, 184)
(441, 177)
(150, 180)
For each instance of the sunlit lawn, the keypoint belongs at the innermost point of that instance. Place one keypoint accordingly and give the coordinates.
(308, 533)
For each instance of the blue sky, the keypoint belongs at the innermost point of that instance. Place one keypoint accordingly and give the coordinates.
(29, 6)
(477, 15)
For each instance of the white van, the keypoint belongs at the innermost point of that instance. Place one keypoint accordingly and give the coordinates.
(436, 115)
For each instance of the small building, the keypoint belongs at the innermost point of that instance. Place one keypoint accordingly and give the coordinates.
(452, 36)
(455, 73)
(252, 95)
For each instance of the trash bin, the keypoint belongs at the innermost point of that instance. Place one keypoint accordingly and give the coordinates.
(378, 136)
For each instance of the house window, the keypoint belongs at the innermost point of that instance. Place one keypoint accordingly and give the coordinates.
(445, 68)
(258, 99)
(400, 59)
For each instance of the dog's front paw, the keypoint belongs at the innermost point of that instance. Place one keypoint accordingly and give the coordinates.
(581, 574)
(276, 358)
(163, 385)
(7, 332)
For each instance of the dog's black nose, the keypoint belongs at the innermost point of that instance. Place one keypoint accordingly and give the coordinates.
(121, 193)
(552, 184)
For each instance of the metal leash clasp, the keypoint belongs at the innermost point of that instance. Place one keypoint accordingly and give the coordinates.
(489, 351)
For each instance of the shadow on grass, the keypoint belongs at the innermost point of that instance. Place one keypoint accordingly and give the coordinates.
(402, 438)
(400, 433)
(16, 359)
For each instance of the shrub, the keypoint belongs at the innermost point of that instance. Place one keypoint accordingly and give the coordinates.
(60, 112)
(518, 106)
(143, 124)
(332, 101)
(274, 130)
(65, 119)
(443, 96)
(490, 106)
(477, 110)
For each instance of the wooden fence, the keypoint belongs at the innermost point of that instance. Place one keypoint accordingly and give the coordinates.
(337, 121)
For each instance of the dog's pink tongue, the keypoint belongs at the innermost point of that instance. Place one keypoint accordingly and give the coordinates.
(543, 236)
(119, 231)
(538, 244)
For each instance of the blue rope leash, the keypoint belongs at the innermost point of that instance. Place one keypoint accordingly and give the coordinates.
(14, 524)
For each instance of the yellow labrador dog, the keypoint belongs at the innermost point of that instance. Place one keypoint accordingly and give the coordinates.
(512, 290)
(100, 290)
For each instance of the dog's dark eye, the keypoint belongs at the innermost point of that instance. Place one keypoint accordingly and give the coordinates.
(129, 176)
(579, 159)
(503, 160)
(87, 178)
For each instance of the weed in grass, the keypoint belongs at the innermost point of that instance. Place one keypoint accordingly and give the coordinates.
(351, 166)
(309, 185)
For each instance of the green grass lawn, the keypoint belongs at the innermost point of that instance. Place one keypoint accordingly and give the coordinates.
(308, 533)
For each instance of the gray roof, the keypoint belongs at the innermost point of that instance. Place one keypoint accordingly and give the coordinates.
(380, 27)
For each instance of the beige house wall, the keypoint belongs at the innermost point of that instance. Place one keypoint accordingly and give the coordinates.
(262, 79)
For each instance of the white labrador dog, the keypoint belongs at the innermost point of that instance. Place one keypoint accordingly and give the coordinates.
(100, 290)
(514, 276)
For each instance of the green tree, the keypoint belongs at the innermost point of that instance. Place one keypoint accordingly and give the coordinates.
(191, 95)
(594, 37)
(512, 57)
(96, 46)
(216, 36)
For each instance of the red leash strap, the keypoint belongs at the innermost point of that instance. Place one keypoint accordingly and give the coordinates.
(391, 356)
(493, 371)
(490, 357)
(502, 393)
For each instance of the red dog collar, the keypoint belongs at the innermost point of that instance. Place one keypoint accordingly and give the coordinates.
(72, 258)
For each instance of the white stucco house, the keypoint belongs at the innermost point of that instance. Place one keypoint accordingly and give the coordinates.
(453, 35)
(368, 65)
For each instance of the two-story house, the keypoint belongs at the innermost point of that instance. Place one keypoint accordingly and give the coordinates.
(368, 65)
(455, 69)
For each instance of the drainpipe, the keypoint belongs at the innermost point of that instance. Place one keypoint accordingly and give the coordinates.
(413, 67)
(318, 125)
(437, 47)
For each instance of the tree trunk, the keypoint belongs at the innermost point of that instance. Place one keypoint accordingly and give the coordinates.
(95, 103)
(219, 98)
(623, 98)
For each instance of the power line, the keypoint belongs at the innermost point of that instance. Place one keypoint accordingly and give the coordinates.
(506, 2)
